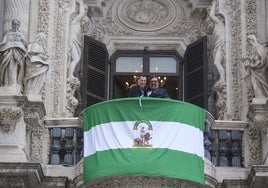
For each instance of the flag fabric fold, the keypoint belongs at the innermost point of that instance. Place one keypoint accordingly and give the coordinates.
(163, 138)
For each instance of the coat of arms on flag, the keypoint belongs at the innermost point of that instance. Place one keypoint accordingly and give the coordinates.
(123, 139)
(142, 134)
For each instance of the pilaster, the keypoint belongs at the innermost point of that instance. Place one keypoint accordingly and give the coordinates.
(13, 129)
(258, 111)
(35, 131)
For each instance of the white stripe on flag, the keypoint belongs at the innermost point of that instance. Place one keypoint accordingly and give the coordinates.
(120, 135)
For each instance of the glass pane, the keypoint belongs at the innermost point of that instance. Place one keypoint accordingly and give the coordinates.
(163, 65)
(129, 64)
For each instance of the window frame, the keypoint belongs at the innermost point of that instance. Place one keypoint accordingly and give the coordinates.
(146, 54)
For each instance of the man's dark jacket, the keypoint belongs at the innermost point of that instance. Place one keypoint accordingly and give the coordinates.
(159, 92)
(136, 91)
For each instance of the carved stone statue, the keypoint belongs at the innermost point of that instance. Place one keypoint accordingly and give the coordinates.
(72, 102)
(256, 67)
(37, 65)
(75, 40)
(12, 57)
(219, 42)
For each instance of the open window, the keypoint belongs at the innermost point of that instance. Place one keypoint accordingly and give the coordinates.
(184, 78)
(126, 66)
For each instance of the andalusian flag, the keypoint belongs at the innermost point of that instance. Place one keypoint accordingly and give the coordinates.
(151, 137)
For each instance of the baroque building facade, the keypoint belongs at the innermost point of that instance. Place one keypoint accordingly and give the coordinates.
(57, 57)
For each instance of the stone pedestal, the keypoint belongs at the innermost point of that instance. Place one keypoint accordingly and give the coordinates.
(15, 142)
(12, 129)
(258, 114)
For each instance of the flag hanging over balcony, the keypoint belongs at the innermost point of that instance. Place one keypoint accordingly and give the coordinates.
(154, 137)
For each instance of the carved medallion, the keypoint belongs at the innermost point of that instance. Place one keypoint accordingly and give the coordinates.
(149, 15)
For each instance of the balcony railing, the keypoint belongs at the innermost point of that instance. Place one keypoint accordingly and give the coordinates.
(66, 145)
(223, 147)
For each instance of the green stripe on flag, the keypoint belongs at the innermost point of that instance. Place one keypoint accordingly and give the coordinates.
(153, 109)
(155, 162)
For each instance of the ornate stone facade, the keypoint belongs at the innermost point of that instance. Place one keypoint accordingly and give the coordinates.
(28, 127)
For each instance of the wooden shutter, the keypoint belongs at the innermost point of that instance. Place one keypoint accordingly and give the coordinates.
(195, 73)
(95, 63)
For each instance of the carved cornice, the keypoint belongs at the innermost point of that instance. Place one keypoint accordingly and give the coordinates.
(30, 175)
(9, 116)
(258, 176)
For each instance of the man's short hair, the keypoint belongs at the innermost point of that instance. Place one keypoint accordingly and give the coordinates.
(151, 77)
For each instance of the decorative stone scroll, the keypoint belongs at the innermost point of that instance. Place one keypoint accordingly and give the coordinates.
(9, 117)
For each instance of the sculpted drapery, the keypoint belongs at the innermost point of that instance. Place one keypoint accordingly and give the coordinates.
(37, 65)
(256, 67)
(12, 61)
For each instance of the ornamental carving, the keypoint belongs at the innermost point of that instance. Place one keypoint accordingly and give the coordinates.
(72, 85)
(176, 23)
(9, 117)
(254, 144)
(234, 11)
(147, 15)
(251, 17)
(143, 181)
(58, 64)
(36, 131)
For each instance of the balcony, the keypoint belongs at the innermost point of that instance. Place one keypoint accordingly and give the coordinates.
(223, 145)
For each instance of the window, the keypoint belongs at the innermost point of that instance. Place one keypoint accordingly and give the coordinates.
(128, 65)
(104, 78)
(163, 65)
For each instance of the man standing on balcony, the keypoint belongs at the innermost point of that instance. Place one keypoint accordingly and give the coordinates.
(138, 89)
(155, 90)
